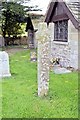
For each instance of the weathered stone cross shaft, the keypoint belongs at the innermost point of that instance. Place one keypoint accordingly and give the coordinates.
(43, 60)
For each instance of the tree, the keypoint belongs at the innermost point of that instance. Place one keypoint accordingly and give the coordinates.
(13, 15)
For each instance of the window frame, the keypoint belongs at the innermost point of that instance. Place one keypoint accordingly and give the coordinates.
(57, 31)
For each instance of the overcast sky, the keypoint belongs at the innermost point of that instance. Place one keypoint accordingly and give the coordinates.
(43, 4)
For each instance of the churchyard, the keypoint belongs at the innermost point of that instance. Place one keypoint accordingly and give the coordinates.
(20, 91)
(34, 90)
(33, 84)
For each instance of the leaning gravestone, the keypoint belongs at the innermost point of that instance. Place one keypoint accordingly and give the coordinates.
(4, 64)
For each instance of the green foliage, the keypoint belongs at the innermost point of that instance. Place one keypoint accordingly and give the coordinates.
(20, 98)
(12, 17)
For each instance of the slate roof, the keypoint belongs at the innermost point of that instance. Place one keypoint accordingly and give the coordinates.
(72, 8)
(75, 9)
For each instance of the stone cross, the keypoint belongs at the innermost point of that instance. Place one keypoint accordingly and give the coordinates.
(43, 59)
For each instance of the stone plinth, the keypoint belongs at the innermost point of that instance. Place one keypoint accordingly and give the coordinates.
(4, 64)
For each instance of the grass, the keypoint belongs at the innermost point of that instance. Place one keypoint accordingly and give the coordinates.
(19, 92)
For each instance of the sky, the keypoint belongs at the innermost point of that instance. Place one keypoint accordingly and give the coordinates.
(43, 4)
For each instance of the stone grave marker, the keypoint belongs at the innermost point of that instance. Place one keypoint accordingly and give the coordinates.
(4, 64)
(33, 56)
(1, 41)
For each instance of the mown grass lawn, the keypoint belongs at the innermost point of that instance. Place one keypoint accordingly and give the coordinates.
(19, 92)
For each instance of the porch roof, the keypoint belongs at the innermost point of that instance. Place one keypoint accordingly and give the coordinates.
(71, 7)
(75, 9)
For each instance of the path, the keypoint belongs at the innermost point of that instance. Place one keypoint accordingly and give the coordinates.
(11, 51)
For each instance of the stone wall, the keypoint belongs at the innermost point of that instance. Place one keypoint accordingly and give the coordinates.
(67, 52)
(22, 41)
(73, 39)
(79, 50)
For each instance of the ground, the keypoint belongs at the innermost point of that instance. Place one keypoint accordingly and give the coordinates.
(12, 50)
(19, 92)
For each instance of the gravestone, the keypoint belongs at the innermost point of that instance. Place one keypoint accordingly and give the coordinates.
(1, 41)
(31, 39)
(33, 56)
(4, 64)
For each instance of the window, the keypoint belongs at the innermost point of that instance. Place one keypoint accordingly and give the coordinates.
(61, 31)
